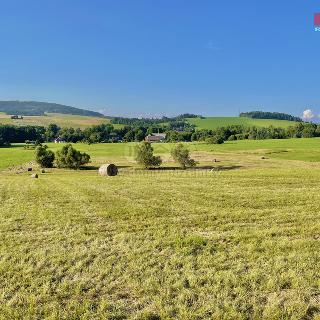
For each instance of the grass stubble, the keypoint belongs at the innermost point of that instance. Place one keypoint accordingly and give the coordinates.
(206, 244)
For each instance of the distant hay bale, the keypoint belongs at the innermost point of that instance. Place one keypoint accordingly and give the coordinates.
(108, 170)
(43, 171)
(35, 176)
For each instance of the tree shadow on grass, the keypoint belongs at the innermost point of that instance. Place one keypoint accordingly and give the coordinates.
(226, 168)
(12, 146)
(89, 168)
(97, 167)
(175, 168)
(215, 168)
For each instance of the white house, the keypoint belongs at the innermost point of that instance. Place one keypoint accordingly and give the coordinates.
(58, 140)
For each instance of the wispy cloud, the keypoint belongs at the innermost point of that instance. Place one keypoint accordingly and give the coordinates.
(210, 45)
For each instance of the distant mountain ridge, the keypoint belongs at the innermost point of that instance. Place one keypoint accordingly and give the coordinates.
(37, 108)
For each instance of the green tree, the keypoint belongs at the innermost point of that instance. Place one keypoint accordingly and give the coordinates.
(215, 139)
(149, 130)
(232, 138)
(139, 135)
(145, 157)
(52, 132)
(69, 157)
(44, 157)
(309, 130)
(129, 136)
(181, 155)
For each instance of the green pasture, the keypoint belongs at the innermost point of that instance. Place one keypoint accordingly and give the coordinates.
(123, 153)
(217, 122)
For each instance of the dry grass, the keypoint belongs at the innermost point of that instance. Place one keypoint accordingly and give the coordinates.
(239, 242)
(228, 244)
(62, 120)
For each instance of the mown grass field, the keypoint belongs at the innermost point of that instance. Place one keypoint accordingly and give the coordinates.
(239, 241)
(62, 120)
(218, 122)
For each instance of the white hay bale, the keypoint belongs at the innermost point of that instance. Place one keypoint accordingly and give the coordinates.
(108, 169)
(34, 176)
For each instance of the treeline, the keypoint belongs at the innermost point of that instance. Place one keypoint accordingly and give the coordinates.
(145, 122)
(107, 133)
(232, 133)
(269, 115)
(13, 134)
(95, 134)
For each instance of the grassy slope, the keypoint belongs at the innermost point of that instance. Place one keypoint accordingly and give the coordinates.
(238, 244)
(63, 120)
(216, 122)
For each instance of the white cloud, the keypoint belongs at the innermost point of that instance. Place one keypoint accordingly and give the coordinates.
(308, 114)
(211, 46)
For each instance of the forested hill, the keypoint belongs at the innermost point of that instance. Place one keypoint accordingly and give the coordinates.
(36, 108)
(269, 115)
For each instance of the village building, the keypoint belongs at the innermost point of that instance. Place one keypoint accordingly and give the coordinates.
(155, 137)
(16, 117)
(59, 140)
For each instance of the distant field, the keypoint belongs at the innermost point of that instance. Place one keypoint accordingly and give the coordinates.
(62, 120)
(232, 152)
(216, 122)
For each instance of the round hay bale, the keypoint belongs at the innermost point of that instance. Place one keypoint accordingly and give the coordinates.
(108, 170)
(35, 176)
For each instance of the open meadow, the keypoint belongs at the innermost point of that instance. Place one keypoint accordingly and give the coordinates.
(218, 122)
(236, 238)
(62, 120)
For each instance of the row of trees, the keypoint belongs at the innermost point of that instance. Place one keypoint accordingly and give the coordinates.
(180, 154)
(231, 133)
(108, 133)
(69, 157)
(146, 122)
(11, 134)
(269, 115)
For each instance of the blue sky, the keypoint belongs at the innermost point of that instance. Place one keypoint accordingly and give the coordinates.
(150, 58)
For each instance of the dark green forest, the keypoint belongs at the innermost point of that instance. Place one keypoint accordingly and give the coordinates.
(36, 108)
(269, 115)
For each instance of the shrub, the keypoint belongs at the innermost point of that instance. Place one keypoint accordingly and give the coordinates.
(181, 155)
(4, 143)
(69, 157)
(232, 138)
(145, 155)
(44, 157)
(215, 139)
